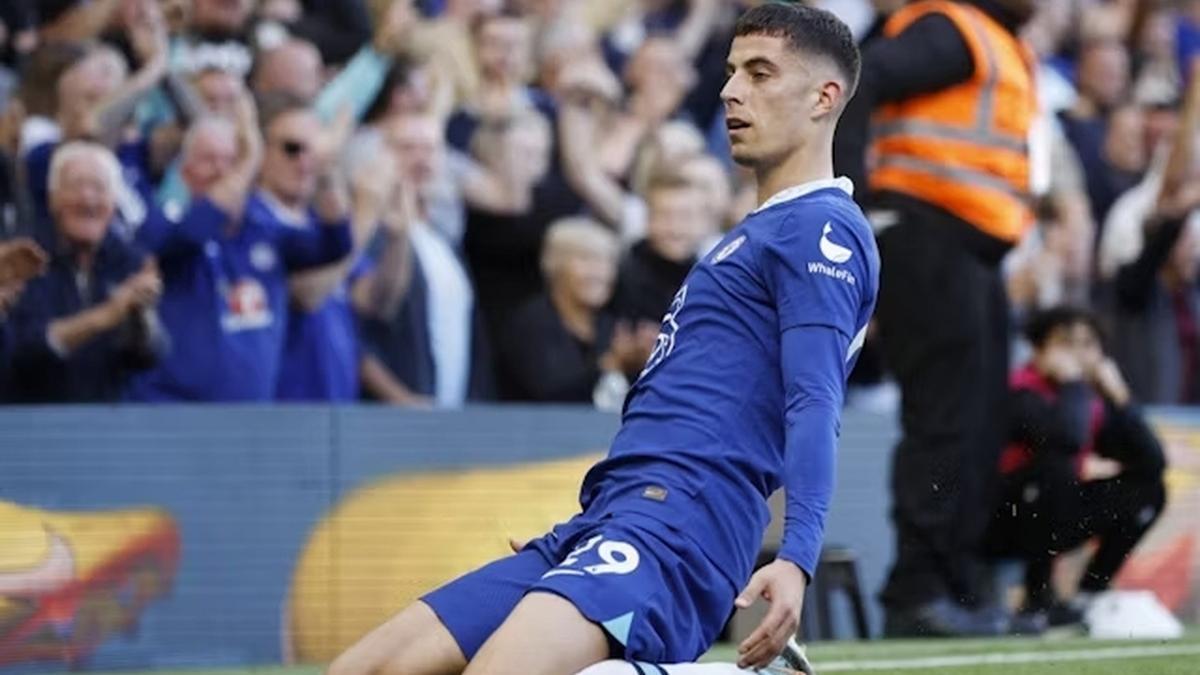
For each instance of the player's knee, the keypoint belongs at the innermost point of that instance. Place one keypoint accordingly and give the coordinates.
(351, 662)
(363, 659)
(610, 667)
(414, 642)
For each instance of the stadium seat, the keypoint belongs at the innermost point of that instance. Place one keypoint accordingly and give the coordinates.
(838, 571)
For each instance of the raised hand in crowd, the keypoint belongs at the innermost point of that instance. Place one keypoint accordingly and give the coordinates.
(1062, 364)
(589, 91)
(384, 291)
(146, 27)
(11, 121)
(1180, 191)
(332, 201)
(659, 79)
(629, 348)
(1106, 377)
(231, 191)
(139, 291)
(146, 30)
(20, 261)
(373, 187)
(394, 31)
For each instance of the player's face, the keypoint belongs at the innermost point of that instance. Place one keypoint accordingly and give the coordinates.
(767, 95)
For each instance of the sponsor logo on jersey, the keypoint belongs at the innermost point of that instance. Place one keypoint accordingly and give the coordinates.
(246, 307)
(834, 253)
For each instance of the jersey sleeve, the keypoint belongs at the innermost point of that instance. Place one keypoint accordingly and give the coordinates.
(813, 368)
(816, 272)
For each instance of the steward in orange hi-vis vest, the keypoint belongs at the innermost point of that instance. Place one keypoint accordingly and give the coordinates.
(964, 148)
(937, 134)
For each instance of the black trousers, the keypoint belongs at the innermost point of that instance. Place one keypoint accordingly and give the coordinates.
(1045, 511)
(943, 320)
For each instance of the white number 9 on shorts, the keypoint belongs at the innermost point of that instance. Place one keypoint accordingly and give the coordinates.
(616, 557)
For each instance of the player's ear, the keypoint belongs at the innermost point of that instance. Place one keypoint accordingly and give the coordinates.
(829, 99)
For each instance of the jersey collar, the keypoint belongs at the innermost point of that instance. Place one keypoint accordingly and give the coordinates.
(796, 191)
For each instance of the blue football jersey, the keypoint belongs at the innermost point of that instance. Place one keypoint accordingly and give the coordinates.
(743, 390)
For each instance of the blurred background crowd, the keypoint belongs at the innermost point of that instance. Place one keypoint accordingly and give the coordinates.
(433, 202)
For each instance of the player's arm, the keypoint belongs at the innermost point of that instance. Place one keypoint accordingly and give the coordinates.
(819, 314)
(928, 56)
(814, 376)
(813, 364)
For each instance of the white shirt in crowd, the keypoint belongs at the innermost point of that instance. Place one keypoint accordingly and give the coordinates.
(450, 308)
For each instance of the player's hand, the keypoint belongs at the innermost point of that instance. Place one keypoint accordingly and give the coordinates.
(781, 584)
(517, 544)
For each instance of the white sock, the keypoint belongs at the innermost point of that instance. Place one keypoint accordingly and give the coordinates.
(614, 667)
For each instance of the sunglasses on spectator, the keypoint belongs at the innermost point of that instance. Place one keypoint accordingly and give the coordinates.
(293, 148)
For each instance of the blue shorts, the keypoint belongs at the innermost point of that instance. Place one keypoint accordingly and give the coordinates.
(655, 594)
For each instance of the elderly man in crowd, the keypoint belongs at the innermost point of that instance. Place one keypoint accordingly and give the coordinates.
(89, 323)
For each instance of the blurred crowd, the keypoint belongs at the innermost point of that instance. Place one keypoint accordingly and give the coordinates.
(432, 202)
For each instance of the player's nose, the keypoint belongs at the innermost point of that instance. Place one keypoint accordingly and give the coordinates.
(731, 93)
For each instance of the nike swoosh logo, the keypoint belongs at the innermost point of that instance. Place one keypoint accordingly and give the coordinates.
(56, 569)
(834, 252)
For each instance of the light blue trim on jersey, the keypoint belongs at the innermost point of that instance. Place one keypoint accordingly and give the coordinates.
(619, 628)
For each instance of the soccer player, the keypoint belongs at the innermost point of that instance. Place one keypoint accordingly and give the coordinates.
(741, 396)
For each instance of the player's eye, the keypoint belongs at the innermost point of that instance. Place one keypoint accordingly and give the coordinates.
(758, 76)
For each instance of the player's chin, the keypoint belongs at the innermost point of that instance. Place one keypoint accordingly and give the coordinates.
(743, 157)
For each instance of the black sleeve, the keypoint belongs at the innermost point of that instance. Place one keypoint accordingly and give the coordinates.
(1126, 437)
(1059, 426)
(543, 362)
(1135, 282)
(929, 55)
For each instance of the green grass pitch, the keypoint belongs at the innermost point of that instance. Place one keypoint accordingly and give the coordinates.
(1063, 656)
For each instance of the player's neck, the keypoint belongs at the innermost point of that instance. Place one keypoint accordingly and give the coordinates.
(806, 165)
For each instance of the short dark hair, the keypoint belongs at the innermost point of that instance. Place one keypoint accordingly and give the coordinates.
(808, 30)
(1042, 324)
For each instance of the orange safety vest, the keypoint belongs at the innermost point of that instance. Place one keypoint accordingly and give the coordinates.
(964, 148)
